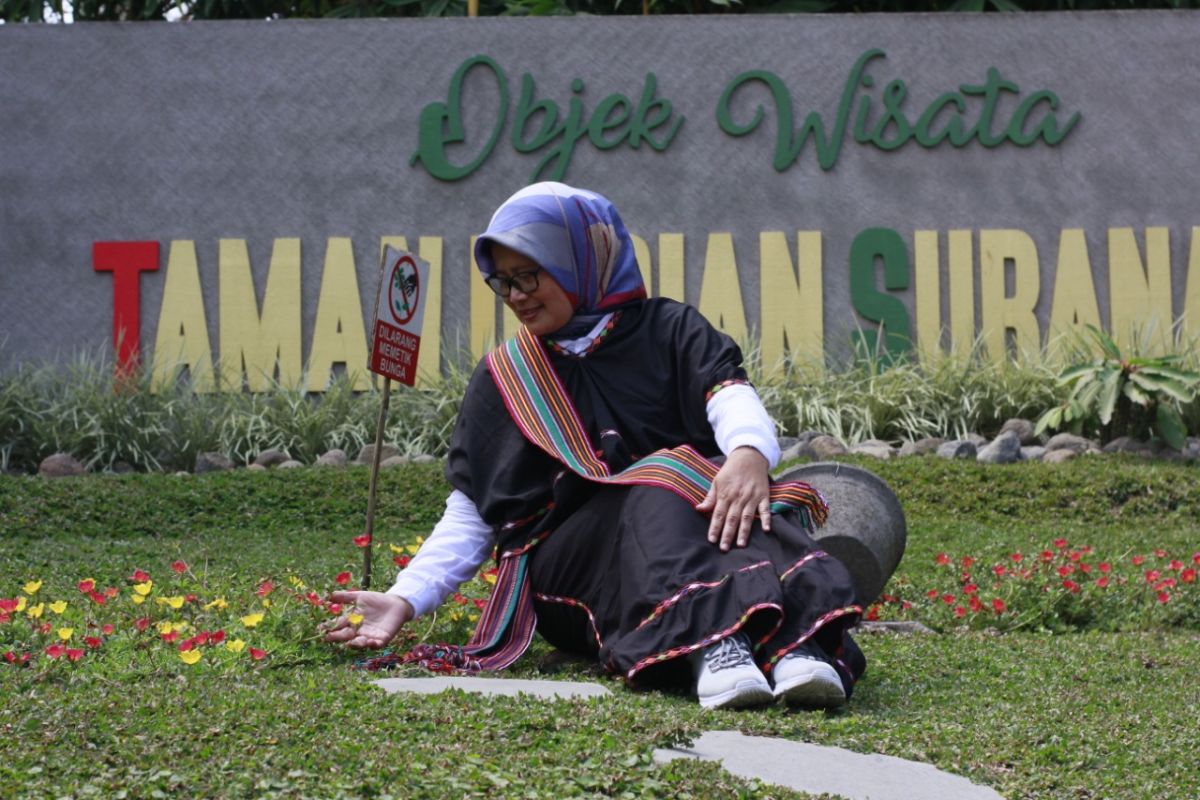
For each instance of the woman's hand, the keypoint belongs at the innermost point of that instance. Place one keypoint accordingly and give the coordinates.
(739, 493)
(383, 615)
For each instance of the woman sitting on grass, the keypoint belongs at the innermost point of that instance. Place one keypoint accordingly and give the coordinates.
(583, 454)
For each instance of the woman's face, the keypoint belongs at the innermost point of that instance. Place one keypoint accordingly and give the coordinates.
(544, 310)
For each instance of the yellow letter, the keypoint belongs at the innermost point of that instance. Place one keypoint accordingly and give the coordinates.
(720, 295)
(1140, 296)
(1189, 327)
(792, 310)
(962, 292)
(1074, 301)
(259, 340)
(670, 266)
(429, 360)
(1002, 313)
(338, 335)
(641, 251)
(182, 336)
(929, 294)
(483, 310)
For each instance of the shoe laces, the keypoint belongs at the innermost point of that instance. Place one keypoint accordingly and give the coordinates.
(730, 652)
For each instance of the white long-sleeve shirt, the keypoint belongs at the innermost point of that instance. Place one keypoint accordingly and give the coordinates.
(461, 541)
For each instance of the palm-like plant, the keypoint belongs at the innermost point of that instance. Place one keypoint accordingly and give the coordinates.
(1125, 395)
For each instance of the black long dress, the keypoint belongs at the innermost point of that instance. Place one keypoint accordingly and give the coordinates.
(627, 574)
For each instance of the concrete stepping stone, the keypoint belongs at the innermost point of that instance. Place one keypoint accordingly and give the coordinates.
(831, 770)
(503, 687)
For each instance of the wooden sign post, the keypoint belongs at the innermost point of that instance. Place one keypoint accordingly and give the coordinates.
(395, 345)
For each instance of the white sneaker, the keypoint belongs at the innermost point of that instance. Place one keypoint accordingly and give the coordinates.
(804, 677)
(727, 677)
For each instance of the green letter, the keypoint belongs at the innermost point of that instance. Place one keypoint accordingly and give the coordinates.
(441, 124)
(641, 125)
(876, 306)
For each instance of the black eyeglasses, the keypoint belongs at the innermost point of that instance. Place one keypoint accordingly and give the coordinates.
(527, 282)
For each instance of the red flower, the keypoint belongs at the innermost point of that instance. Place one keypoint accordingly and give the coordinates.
(1102, 581)
(970, 588)
(1163, 597)
(169, 637)
(179, 567)
(1137, 560)
(1176, 564)
(74, 655)
(216, 637)
(1060, 543)
(1188, 575)
(959, 612)
(257, 655)
(98, 598)
(480, 604)
(56, 650)
(334, 608)
(1196, 558)
(186, 644)
(1047, 555)
(932, 593)
(1000, 570)
(967, 562)
(8, 604)
(1085, 567)
(191, 598)
(1169, 583)
(1071, 586)
(201, 638)
(948, 599)
(44, 627)
(1152, 575)
(942, 559)
(1160, 552)
(342, 578)
(1016, 557)
(1065, 570)
(998, 606)
(264, 589)
(86, 586)
(139, 576)
(1105, 567)
(314, 598)
(107, 629)
(873, 613)
(401, 561)
(142, 624)
(92, 642)
(362, 541)
(1075, 555)
(975, 604)
(10, 656)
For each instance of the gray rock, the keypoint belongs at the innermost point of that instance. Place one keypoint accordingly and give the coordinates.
(333, 458)
(1191, 449)
(271, 458)
(922, 447)
(805, 437)
(1023, 428)
(424, 458)
(819, 769)
(1059, 456)
(122, 468)
(1069, 441)
(256, 468)
(1129, 446)
(825, 446)
(502, 687)
(212, 462)
(976, 439)
(959, 448)
(787, 441)
(907, 627)
(874, 448)
(795, 450)
(1033, 453)
(1004, 449)
(368, 452)
(60, 465)
(291, 463)
(394, 461)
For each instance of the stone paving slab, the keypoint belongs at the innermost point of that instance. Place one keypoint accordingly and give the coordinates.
(832, 770)
(506, 687)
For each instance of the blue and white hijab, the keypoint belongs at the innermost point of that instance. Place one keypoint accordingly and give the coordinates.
(575, 235)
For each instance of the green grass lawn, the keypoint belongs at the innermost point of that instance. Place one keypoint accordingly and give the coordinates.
(1105, 708)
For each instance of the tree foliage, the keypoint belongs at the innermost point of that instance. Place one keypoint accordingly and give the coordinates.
(14, 11)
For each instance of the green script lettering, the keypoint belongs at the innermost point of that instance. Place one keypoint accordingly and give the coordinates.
(894, 129)
(442, 124)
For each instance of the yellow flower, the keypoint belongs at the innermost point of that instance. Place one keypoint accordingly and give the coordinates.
(219, 603)
(355, 619)
(455, 616)
(235, 645)
(266, 603)
(413, 548)
(395, 549)
(138, 599)
(58, 606)
(65, 633)
(189, 656)
(143, 588)
(250, 620)
(36, 611)
(295, 581)
(490, 577)
(175, 602)
(32, 587)
(21, 604)
(472, 617)
(166, 627)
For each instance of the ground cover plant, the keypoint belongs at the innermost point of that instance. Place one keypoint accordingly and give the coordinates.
(1038, 700)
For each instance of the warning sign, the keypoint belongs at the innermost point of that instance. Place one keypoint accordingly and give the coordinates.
(399, 313)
